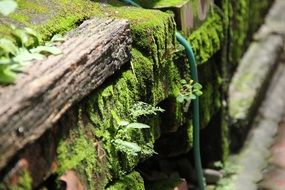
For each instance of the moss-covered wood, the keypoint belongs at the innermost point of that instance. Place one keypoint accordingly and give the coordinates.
(48, 88)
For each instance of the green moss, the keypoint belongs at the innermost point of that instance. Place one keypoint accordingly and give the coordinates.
(243, 18)
(240, 27)
(160, 3)
(149, 26)
(20, 18)
(108, 106)
(132, 181)
(31, 6)
(207, 39)
(210, 100)
(190, 133)
(78, 154)
(26, 10)
(257, 13)
(151, 78)
(153, 34)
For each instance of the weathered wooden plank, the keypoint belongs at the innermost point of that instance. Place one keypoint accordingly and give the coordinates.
(46, 89)
(188, 14)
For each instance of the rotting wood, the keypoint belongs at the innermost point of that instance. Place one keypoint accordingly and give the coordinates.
(46, 89)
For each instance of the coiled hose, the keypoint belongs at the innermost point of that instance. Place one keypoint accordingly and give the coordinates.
(195, 104)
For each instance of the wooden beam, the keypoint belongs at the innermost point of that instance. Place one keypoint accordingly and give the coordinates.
(189, 15)
(46, 89)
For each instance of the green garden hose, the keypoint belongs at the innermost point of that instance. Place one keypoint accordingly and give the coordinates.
(195, 110)
(195, 105)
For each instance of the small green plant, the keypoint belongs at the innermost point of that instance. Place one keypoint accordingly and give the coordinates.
(123, 141)
(22, 47)
(143, 109)
(189, 91)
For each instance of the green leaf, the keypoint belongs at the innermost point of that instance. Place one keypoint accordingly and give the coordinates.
(192, 96)
(16, 68)
(197, 86)
(198, 93)
(21, 37)
(123, 123)
(147, 150)
(8, 46)
(128, 147)
(138, 126)
(183, 81)
(7, 7)
(57, 38)
(46, 50)
(180, 99)
(7, 76)
(143, 109)
(34, 35)
(4, 61)
(25, 56)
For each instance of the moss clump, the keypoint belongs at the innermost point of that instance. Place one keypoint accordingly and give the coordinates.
(241, 19)
(132, 181)
(207, 39)
(68, 15)
(154, 34)
(210, 100)
(239, 29)
(78, 153)
(257, 12)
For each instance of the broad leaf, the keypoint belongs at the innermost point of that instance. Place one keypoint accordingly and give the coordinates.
(198, 93)
(7, 7)
(21, 37)
(180, 99)
(192, 96)
(8, 46)
(138, 126)
(183, 81)
(46, 50)
(25, 56)
(128, 147)
(5, 62)
(197, 86)
(7, 76)
(16, 67)
(123, 123)
(57, 38)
